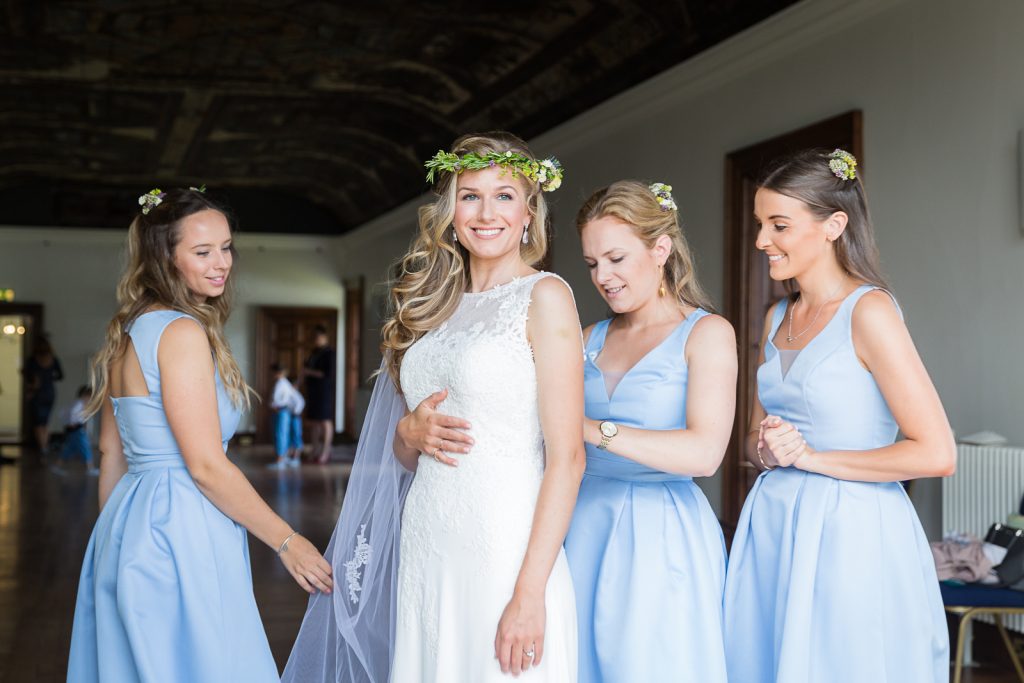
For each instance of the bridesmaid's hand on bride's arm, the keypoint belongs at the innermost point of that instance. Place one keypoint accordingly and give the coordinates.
(519, 643)
(306, 565)
(783, 443)
(425, 430)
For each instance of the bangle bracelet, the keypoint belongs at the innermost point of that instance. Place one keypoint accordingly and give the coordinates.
(284, 543)
(761, 458)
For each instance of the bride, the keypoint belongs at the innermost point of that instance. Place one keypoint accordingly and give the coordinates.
(482, 586)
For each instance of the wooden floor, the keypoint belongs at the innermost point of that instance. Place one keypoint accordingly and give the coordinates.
(45, 521)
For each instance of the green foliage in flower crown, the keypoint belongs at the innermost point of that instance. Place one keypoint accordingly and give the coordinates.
(547, 172)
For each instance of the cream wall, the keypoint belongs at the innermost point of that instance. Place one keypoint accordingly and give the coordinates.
(939, 82)
(74, 273)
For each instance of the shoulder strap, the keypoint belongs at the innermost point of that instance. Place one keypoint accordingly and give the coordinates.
(597, 336)
(689, 324)
(146, 331)
(856, 295)
(778, 316)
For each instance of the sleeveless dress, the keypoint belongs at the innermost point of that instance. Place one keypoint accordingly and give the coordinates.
(645, 549)
(166, 590)
(831, 580)
(465, 529)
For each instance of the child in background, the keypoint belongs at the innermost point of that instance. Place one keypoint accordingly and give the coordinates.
(281, 402)
(76, 433)
(295, 441)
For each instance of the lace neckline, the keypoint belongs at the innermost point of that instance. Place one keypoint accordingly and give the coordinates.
(504, 285)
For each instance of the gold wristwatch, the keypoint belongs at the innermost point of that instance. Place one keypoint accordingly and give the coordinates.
(608, 432)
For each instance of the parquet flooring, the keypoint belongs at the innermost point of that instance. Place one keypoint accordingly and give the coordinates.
(45, 521)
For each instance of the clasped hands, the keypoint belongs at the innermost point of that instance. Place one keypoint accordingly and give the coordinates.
(433, 433)
(780, 444)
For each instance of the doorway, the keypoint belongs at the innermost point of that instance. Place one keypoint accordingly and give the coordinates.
(353, 353)
(750, 292)
(19, 325)
(284, 335)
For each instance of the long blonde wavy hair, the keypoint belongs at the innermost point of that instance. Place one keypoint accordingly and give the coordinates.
(633, 203)
(151, 280)
(428, 282)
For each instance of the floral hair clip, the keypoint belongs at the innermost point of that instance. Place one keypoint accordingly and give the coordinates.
(843, 165)
(547, 172)
(151, 200)
(663, 195)
(201, 189)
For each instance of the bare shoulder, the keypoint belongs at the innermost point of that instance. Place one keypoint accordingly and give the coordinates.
(551, 291)
(552, 298)
(185, 336)
(876, 312)
(712, 331)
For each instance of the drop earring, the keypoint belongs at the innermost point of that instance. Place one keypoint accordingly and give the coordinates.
(661, 287)
(455, 236)
(526, 234)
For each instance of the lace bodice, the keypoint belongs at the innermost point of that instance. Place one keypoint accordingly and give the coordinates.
(472, 521)
(482, 356)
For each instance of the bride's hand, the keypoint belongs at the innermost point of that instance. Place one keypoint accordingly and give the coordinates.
(519, 643)
(436, 434)
(306, 565)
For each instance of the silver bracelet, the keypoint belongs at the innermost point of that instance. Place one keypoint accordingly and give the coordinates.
(284, 543)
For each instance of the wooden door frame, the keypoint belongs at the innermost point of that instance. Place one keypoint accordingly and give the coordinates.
(353, 376)
(848, 125)
(36, 313)
(262, 383)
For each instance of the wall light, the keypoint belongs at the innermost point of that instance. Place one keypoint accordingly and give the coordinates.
(10, 329)
(21, 329)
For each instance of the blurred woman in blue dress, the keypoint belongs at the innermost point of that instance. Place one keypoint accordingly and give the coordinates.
(644, 548)
(830, 576)
(166, 589)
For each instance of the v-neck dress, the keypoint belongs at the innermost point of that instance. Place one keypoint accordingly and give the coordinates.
(645, 549)
(831, 580)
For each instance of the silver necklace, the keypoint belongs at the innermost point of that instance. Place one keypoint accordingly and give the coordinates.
(790, 337)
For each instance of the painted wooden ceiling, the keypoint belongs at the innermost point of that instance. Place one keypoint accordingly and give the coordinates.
(309, 117)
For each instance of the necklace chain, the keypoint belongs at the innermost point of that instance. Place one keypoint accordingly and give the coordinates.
(790, 337)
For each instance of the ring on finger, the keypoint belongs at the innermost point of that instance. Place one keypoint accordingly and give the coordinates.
(528, 653)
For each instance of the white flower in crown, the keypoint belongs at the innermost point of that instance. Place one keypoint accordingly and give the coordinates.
(151, 200)
(663, 195)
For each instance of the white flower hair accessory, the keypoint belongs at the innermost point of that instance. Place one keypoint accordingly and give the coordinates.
(151, 200)
(843, 165)
(663, 195)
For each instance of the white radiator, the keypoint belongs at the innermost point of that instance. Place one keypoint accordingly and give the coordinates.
(987, 486)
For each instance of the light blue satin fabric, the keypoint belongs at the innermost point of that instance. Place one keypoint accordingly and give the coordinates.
(831, 580)
(166, 589)
(645, 549)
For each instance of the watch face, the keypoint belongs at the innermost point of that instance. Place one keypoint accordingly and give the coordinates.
(609, 429)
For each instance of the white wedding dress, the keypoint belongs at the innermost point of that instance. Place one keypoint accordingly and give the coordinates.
(465, 529)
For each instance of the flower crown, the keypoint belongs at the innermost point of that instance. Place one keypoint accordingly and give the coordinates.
(155, 197)
(843, 165)
(547, 172)
(663, 195)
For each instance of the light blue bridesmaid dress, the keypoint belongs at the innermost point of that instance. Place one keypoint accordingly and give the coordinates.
(831, 580)
(166, 589)
(645, 549)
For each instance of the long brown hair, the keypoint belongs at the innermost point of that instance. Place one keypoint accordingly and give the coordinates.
(429, 281)
(150, 279)
(805, 175)
(633, 203)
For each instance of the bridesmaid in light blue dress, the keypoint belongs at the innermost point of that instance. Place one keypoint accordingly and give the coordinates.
(166, 589)
(830, 576)
(644, 548)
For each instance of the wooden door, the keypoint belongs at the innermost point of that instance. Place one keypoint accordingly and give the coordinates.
(750, 292)
(353, 353)
(284, 335)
